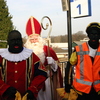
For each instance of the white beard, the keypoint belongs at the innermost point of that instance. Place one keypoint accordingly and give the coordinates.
(37, 49)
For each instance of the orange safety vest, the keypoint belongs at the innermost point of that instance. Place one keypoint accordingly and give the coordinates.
(87, 73)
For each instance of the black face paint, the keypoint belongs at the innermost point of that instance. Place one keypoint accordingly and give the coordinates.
(15, 42)
(94, 37)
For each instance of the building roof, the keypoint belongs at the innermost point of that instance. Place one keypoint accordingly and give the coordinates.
(59, 45)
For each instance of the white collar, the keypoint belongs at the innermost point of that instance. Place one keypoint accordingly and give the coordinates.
(92, 51)
(15, 57)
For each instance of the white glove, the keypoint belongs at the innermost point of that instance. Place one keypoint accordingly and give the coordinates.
(53, 64)
(50, 60)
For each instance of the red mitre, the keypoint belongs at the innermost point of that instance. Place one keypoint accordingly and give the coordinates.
(33, 27)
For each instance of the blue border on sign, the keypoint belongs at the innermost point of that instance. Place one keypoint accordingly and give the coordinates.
(89, 7)
(71, 0)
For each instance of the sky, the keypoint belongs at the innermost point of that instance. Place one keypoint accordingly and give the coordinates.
(22, 10)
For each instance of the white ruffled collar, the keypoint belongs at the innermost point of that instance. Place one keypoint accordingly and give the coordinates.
(15, 57)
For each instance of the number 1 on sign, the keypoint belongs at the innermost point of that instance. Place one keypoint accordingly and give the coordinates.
(79, 6)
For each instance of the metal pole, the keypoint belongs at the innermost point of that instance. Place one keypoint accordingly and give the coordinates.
(69, 30)
(67, 69)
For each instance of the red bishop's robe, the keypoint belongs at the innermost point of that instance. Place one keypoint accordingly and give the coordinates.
(54, 56)
(16, 72)
(57, 76)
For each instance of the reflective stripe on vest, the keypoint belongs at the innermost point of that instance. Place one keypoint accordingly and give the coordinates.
(84, 82)
(81, 53)
(96, 82)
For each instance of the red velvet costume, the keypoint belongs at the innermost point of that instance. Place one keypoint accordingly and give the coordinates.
(16, 76)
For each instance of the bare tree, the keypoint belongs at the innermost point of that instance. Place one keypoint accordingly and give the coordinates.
(64, 38)
(78, 36)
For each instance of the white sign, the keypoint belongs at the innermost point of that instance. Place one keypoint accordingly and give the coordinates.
(80, 8)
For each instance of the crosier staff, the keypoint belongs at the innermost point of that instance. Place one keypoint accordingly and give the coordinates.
(48, 43)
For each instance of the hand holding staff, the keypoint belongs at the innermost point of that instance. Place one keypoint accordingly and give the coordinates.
(48, 43)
